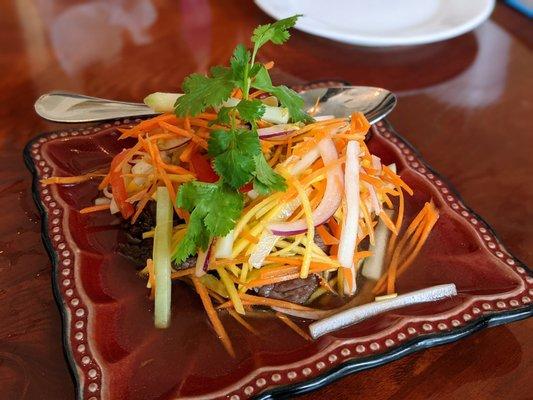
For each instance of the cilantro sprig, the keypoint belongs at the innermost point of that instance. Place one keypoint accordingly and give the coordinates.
(236, 151)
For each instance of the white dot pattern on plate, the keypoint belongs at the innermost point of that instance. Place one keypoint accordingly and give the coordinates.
(66, 259)
(374, 346)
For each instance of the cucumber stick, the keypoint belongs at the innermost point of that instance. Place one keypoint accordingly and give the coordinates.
(161, 258)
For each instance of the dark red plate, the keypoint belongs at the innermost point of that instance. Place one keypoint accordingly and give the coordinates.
(116, 353)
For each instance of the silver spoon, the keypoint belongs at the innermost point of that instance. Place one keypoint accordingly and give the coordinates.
(339, 101)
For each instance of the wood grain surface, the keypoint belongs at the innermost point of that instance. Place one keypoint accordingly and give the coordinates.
(464, 103)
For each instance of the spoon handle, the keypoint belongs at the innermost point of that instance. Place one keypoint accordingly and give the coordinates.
(75, 108)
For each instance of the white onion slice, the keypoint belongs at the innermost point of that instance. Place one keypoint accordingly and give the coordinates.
(141, 168)
(350, 224)
(107, 193)
(374, 265)
(113, 207)
(305, 162)
(331, 200)
(224, 246)
(360, 313)
(276, 130)
(374, 201)
(323, 117)
(101, 200)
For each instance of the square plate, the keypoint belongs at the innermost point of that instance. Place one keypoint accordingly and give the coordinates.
(114, 351)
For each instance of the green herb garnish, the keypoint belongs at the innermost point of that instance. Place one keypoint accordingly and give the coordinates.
(236, 151)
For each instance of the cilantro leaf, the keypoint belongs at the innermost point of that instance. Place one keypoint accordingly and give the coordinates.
(287, 97)
(234, 151)
(201, 92)
(250, 110)
(239, 62)
(214, 208)
(227, 206)
(223, 116)
(219, 142)
(277, 33)
(266, 180)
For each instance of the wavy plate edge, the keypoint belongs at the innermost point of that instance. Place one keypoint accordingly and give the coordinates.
(308, 384)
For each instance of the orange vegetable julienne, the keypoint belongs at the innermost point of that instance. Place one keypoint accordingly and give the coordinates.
(91, 209)
(291, 324)
(326, 237)
(213, 316)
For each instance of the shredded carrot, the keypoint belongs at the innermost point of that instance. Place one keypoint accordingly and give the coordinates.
(396, 180)
(91, 209)
(185, 156)
(387, 221)
(243, 322)
(399, 221)
(213, 316)
(185, 133)
(248, 236)
(182, 272)
(66, 180)
(266, 301)
(359, 123)
(269, 65)
(142, 202)
(326, 237)
(275, 157)
(256, 93)
(285, 319)
(148, 125)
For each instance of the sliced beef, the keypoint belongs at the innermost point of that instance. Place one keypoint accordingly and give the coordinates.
(188, 263)
(131, 243)
(296, 290)
(320, 243)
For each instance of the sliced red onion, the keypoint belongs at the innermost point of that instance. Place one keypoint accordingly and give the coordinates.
(331, 200)
(360, 313)
(202, 261)
(276, 130)
(172, 144)
(350, 223)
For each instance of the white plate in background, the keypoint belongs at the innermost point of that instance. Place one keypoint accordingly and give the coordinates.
(383, 22)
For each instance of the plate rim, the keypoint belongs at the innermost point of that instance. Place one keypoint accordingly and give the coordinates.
(388, 41)
(319, 380)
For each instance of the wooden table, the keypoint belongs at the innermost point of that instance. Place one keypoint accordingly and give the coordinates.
(464, 103)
